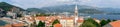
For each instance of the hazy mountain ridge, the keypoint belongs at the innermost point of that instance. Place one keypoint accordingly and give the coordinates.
(7, 7)
(70, 8)
(35, 10)
(110, 10)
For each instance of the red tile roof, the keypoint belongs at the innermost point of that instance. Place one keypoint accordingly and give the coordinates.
(8, 25)
(57, 25)
(18, 25)
(115, 24)
(67, 18)
(80, 21)
(41, 18)
(51, 20)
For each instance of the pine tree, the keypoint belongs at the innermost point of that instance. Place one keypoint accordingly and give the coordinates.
(90, 23)
(55, 22)
(103, 22)
(41, 24)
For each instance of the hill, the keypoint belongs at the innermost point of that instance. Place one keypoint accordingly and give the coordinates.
(36, 10)
(67, 8)
(8, 7)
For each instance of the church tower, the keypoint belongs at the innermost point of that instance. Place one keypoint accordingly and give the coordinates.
(76, 13)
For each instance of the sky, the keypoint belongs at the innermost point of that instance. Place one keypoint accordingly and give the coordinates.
(44, 3)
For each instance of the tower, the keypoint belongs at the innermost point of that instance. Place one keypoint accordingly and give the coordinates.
(76, 11)
(76, 15)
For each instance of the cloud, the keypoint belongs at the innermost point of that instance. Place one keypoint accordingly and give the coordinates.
(65, 0)
(1, 0)
(85, 0)
(38, 3)
(102, 3)
(44, 3)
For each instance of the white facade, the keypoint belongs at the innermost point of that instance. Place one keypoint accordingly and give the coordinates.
(11, 14)
(67, 23)
(76, 16)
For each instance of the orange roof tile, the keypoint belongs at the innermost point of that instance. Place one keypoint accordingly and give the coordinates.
(115, 24)
(8, 25)
(18, 25)
(67, 18)
(57, 25)
(79, 21)
(51, 20)
(41, 18)
(1, 26)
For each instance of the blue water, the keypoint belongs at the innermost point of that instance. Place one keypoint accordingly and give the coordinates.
(102, 16)
(2, 23)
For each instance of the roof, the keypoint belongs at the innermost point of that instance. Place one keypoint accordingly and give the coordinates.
(58, 25)
(80, 20)
(51, 20)
(8, 25)
(115, 24)
(41, 18)
(18, 24)
(67, 19)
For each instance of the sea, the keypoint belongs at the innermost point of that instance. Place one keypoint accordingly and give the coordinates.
(103, 16)
(2, 23)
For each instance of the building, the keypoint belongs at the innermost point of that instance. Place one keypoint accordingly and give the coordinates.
(29, 20)
(18, 25)
(13, 15)
(76, 14)
(98, 21)
(113, 24)
(15, 10)
(80, 21)
(8, 25)
(2, 13)
(41, 18)
(67, 22)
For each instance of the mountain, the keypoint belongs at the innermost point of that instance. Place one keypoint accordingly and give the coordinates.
(90, 11)
(110, 10)
(36, 10)
(4, 7)
(67, 8)
(8, 7)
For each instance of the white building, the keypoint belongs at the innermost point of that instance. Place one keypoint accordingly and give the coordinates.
(12, 14)
(68, 22)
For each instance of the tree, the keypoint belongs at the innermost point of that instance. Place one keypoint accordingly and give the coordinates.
(41, 24)
(90, 23)
(19, 15)
(114, 20)
(87, 24)
(108, 20)
(51, 26)
(103, 22)
(55, 22)
(94, 22)
(42, 14)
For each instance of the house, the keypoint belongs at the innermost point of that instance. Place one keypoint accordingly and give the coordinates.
(113, 24)
(8, 25)
(67, 22)
(80, 21)
(98, 21)
(18, 25)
